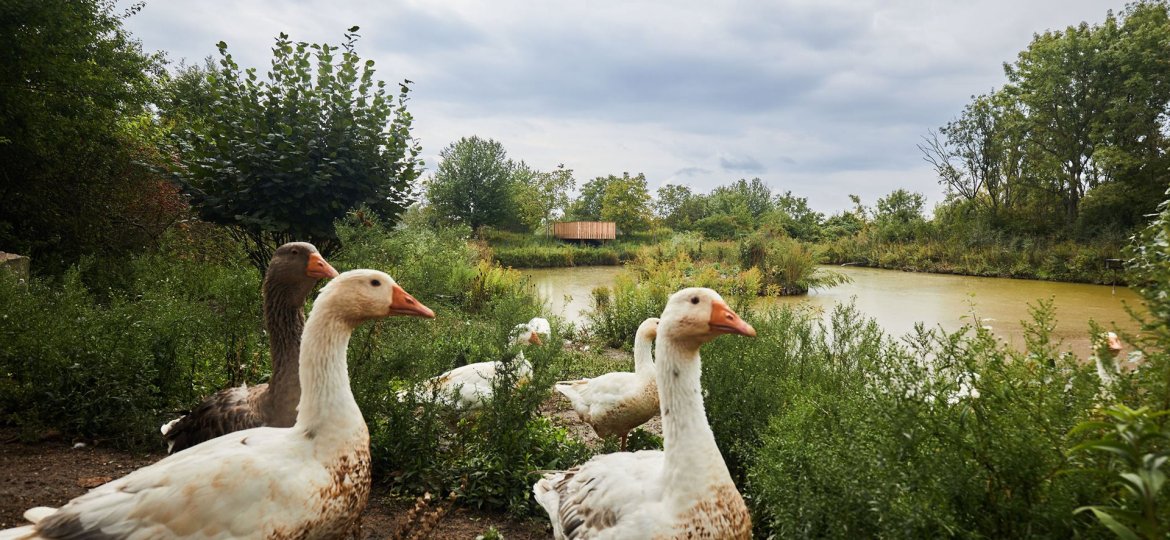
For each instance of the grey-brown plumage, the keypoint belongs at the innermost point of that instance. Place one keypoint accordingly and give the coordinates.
(293, 272)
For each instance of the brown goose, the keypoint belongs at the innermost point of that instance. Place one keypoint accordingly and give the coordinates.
(293, 272)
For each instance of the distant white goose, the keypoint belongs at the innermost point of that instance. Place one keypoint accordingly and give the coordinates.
(684, 491)
(469, 388)
(1108, 370)
(311, 480)
(617, 402)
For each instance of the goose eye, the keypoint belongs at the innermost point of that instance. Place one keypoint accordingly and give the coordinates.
(694, 299)
(295, 252)
(375, 282)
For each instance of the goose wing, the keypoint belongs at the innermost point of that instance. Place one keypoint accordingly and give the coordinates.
(226, 411)
(245, 484)
(610, 496)
(596, 396)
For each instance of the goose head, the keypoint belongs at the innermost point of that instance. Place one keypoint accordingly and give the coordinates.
(648, 330)
(530, 332)
(296, 267)
(697, 315)
(357, 296)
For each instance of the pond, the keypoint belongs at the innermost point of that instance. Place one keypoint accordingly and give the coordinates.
(898, 300)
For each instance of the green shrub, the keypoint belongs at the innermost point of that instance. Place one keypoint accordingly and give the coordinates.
(117, 368)
(420, 445)
(941, 435)
(788, 267)
(1133, 445)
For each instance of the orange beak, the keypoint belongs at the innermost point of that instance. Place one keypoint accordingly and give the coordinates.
(318, 268)
(725, 321)
(405, 304)
(534, 339)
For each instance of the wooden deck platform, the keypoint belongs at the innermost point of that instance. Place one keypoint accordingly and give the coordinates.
(585, 230)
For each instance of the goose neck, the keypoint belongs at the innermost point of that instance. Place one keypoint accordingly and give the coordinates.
(284, 318)
(689, 445)
(326, 404)
(643, 356)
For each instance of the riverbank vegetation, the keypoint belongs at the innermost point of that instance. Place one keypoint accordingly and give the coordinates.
(145, 297)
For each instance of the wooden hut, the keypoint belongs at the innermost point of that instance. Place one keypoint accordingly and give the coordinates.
(585, 230)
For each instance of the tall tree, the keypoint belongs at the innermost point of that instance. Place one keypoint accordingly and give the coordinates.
(281, 159)
(1132, 147)
(538, 195)
(678, 207)
(587, 206)
(75, 134)
(473, 183)
(1057, 80)
(626, 202)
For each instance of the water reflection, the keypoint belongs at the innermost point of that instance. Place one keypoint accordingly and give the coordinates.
(900, 299)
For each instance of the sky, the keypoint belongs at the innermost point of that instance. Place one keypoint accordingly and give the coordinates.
(823, 98)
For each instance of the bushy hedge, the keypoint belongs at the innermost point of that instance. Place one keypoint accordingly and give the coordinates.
(113, 364)
(562, 256)
(835, 430)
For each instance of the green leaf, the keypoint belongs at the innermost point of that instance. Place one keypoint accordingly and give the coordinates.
(1123, 532)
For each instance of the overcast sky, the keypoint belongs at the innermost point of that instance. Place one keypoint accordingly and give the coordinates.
(821, 97)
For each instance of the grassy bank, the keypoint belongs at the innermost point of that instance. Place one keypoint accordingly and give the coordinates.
(1025, 259)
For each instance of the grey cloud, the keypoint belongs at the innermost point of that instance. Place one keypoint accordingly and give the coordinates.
(691, 171)
(741, 164)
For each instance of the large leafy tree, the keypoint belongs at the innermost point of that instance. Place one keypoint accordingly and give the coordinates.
(1077, 141)
(626, 202)
(282, 158)
(75, 138)
(746, 200)
(473, 183)
(538, 195)
(587, 206)
(678, 207)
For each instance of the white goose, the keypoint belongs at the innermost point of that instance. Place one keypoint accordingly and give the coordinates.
(617, 402)
(682, 491)
(469, 387)
(311, 480)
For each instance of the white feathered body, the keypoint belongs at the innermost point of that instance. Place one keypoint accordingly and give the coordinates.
(470, 387)
(613, 403)
(256, 483)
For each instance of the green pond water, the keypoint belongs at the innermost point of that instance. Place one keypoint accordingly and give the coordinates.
(898, 300)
